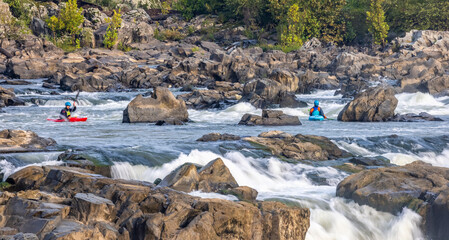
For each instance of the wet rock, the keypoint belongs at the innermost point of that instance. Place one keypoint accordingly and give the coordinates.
(213, 137)
(16, 82)
(162, 105)
(243, 193)
(299, 147)
(411, 117)
(278, 218)
(90, 207)
(206, 99)
(371, 161)
(8, 98)
(185, 178)
(286, 78)
(270, 118)
(263, 93)
(23, 141)
(418, 186)
(169, 121)
(74, 159)
(142, 211)
(374, 105)
(215, 176)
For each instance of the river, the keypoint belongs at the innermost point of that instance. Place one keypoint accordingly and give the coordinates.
(147, 152)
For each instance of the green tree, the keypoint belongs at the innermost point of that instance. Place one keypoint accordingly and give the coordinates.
(71, 18)
(110, 38)
(320, 18)
(55, 25)
(377, 26)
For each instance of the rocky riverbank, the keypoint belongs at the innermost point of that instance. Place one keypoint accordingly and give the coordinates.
(74, 203)
(415, 62)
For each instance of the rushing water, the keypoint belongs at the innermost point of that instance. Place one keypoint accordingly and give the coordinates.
(146, 152)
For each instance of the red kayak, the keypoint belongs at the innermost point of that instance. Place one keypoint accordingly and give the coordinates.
(73, 119)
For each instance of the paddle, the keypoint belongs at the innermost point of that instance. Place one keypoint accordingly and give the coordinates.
(76, 97)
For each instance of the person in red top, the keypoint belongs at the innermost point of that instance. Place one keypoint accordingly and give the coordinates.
(316, 110)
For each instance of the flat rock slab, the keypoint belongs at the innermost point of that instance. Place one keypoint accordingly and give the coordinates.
(270, 118)
(23, 141)
(298, 147)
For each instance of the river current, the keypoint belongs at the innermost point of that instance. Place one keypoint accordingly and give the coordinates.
(147, 152)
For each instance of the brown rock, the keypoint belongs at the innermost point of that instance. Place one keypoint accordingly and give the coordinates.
(270, 118)
(374, 105)
(299, 147)
(142, 212)
(8, 98)
(185, 178)
(215, 176)
(213, 137)
(163, 105)
(278, 220)
(418, 186)
(23, 141)
(244, 193)
(87, 207)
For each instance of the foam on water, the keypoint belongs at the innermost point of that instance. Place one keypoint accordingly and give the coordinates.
(331, 217)
(7, 168)
(344, 220)
(421, 102)
(231, 114)
(320, 94)
(354, 148)
(438, 160)
(213, 195)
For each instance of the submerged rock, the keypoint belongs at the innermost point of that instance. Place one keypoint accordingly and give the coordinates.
(213, 137)
(23, 141)
(411, 117)
(270, 118)
(418, 186)
(72, 203)
(299, 147)
(161, 106)
(374, 105)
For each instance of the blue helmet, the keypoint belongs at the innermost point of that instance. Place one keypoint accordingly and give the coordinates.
(316, 103)
(68, 104)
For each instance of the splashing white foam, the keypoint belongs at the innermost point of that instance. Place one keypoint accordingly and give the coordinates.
(232, 114)
(7, 168)
(331, 217)
(421, 102)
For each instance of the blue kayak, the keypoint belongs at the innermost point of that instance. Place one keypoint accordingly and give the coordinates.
(316, 118)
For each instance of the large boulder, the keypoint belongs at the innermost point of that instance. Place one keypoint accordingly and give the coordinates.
(270, 118)
(23, 141)
(8, 98)
(299, 147)
(264, 93)
(205, 99)
(161, 106)
(418, 186)
(374, 105)
(71, 203)
(213, 177)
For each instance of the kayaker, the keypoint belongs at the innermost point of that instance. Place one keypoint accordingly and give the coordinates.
(316, 110)
(66, 113)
